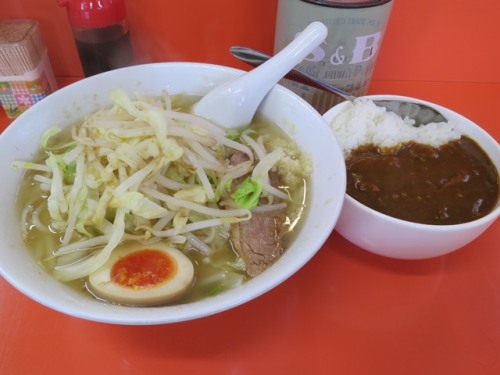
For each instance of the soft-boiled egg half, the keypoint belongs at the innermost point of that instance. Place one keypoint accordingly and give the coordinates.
(141, 275)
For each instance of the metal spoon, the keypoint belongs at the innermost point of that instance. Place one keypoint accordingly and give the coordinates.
(421, 113)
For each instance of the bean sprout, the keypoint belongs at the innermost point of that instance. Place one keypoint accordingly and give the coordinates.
(140, 170)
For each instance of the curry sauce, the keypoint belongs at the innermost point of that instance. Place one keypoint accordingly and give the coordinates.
(451, 184)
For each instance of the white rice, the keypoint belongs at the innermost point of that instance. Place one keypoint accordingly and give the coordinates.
(362, 123)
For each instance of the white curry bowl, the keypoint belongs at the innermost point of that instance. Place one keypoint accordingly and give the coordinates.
(395, 238)
(20, 141)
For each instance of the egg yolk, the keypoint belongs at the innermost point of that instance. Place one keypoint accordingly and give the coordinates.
(143, 269)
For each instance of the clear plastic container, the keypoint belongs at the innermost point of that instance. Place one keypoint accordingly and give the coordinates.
(26, 75)
(21, 46)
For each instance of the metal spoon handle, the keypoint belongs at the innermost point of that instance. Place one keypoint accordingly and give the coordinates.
(421, 113)
(256, 58)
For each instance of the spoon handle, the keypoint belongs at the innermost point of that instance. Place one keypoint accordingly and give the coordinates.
(233, 104)
(256, 58)
(277, 67)
(421, 113)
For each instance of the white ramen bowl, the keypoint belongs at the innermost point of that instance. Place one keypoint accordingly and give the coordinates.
(385, 235)
(20, 141)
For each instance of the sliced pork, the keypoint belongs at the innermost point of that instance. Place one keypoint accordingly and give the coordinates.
(258, 240)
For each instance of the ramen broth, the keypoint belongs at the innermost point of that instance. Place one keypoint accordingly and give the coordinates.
(222, 269)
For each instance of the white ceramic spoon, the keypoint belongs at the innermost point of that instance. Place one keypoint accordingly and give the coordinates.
(234, 103)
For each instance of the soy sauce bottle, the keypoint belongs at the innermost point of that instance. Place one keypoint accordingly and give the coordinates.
(101, 34)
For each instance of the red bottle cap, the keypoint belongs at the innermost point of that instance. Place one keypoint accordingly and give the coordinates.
(94, 13)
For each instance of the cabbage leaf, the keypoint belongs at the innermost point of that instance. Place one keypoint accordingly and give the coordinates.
(247, 194)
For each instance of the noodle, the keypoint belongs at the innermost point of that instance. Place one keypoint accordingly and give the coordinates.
(140, 171)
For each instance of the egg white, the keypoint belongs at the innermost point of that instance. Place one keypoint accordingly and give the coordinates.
(102, 286)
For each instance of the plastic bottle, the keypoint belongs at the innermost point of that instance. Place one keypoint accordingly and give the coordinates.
(101, 34)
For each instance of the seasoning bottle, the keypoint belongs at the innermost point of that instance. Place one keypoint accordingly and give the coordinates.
(101, 34)
(347, 58)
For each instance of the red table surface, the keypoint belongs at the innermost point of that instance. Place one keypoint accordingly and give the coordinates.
(345, 312)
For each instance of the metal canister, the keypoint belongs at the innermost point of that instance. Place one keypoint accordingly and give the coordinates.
(347, 58)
